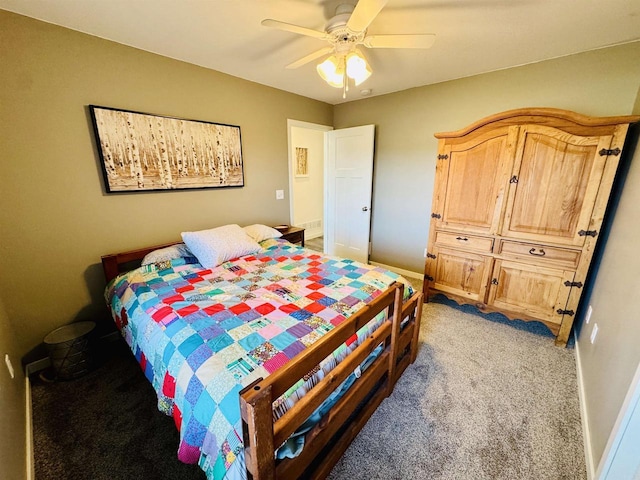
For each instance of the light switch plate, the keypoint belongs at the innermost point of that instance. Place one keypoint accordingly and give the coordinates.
(279, 194)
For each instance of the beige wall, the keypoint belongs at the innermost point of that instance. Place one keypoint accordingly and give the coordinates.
(13, 463)
(602, 82)
(55, 220)
(609, 364)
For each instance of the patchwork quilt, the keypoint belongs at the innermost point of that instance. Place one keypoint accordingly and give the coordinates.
(201, 335)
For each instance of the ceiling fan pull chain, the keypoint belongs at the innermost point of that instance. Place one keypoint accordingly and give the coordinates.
(345, 83)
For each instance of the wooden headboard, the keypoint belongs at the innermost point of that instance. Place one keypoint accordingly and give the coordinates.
(113, 263)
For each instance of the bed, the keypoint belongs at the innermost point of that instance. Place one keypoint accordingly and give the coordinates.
(269, 363)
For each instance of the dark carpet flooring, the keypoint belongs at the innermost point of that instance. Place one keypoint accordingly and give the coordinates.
(484, 400)
(105, 426)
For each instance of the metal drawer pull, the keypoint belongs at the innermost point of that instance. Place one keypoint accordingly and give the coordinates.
(533, 252)
(464, 239)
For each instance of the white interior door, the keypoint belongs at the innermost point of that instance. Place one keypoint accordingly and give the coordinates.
(348, 182)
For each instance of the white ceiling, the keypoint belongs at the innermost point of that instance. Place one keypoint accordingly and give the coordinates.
(473, 36)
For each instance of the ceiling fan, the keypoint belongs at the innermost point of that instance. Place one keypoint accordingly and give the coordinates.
(346, 32)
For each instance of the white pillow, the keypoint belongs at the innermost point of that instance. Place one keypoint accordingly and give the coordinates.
(218, 245)
(261, 232)
(172, 252)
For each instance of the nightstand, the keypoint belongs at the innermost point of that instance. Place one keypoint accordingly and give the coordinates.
(293, 235)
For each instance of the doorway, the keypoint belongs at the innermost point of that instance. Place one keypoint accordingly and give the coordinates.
(306, 180)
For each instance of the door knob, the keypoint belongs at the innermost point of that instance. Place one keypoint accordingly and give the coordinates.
(365, 209)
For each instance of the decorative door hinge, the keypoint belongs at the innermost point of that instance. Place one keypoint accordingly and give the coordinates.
(565, 312)
(606, 152)
(430, 255)
(443, 156)
(587, 233)
(428, 277)
(514, 179)
(494, 281)
(573, 284)
(436, 215)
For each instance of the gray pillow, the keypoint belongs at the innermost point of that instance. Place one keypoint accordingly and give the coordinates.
(165, 254)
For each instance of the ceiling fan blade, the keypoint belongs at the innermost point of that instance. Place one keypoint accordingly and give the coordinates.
(364, 13)
(288, 27)
(310, 57)
(400, 41)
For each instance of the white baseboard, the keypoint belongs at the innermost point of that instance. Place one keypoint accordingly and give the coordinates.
(31, 475)
(401, 271)
(586, 434)
(36, 366)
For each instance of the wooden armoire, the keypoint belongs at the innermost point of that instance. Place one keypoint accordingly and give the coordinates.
(518, 203)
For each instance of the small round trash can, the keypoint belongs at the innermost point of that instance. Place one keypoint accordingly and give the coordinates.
(69, 350)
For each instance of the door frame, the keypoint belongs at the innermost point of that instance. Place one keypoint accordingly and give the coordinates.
(310, 126)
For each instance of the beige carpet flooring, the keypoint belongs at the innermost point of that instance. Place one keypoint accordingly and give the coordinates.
(487, 398)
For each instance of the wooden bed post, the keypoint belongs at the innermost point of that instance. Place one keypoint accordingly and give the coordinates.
(416, 326)
(110, 267)
(256, 409)
(395, 336)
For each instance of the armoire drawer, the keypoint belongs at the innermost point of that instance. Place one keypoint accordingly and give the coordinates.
(537, 252)
(462, 240)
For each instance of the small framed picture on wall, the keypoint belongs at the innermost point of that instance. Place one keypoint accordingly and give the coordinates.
(302, 162)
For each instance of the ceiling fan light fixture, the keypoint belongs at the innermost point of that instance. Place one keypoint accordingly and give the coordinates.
(357, 67)
(332, 71)
(333, 68)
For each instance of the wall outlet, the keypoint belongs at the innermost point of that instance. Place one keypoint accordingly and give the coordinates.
(279, 194)
(425, 253)
(7, 360)
(594, 332)
(587, 317)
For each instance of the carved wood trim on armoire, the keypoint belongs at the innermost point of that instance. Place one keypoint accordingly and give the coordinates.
(518, 203)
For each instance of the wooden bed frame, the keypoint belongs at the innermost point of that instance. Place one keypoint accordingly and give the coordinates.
(327, 441)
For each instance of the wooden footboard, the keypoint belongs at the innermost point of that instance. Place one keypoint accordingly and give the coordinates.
(328, 440)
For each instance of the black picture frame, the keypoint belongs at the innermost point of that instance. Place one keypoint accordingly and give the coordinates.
(143, 152)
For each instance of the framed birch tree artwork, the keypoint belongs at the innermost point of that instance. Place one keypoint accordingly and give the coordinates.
(145, 152)
(302, 163)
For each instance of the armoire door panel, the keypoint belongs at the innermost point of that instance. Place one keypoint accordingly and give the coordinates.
(555, 183)
(476, 181)
(461, 273)
(535, 291)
